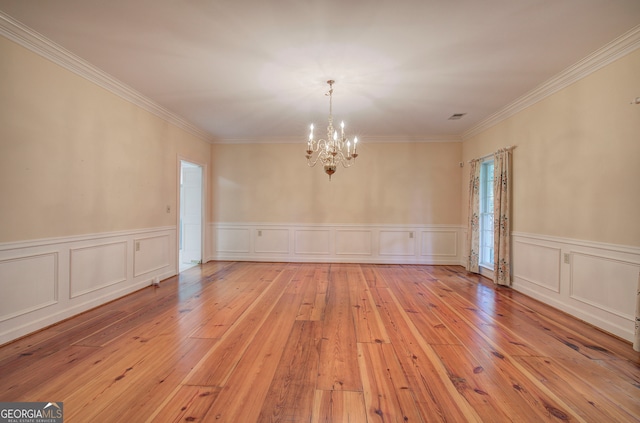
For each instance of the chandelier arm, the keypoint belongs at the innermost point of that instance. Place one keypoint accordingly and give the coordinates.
(311, 161)
(344, 160)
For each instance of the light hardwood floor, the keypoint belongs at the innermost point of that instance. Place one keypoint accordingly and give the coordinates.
(266, 342)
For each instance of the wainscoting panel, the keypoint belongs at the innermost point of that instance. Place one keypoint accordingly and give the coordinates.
(385, 244)
(151, 254)
(397, 243)
(233, 240)
(604, 283)
(439, 243)
(537, 264)
(272, 241)
(312, 241)
(27, 283)
(354, 242)
(45, 281)
(595, 282)
(96, 267)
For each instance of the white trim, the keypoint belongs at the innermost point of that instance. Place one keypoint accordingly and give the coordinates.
(361, 139)
(68, 303)
(56, 289)
(611, 52)
(556, 287)
(607, 283)
(41, 45)
(204, 198)
(32, 40)
(24, 328)
(77, 238)
(433, 231)
(152, 270)
(624, 331)
(98, 245)
(485, 271)
(572, 293)
(580, 242)
(336, 225)
(324, 247)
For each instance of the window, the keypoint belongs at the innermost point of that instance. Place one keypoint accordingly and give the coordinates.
(486, 214)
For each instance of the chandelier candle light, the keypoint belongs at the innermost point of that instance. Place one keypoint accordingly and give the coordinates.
(334, 150)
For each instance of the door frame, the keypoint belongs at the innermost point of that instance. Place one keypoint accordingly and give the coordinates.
(203, 197)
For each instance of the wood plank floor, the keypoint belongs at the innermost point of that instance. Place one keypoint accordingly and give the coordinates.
(288, 342)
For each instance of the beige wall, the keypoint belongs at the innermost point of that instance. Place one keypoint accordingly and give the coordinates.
(577, 163)
(403, 183)
(77, 159)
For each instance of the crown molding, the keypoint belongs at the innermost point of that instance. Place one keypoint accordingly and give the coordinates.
(611, 52)
(260, 140)
(362, 139)
(39, 44)
(411, 139)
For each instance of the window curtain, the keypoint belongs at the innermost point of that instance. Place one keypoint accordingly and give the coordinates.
(501, 217)
(636, 339)
(473, 228)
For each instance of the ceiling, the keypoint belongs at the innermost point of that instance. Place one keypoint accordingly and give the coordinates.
(253, 69)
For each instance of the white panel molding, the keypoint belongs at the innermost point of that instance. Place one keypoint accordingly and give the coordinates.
(39, 44)
(63, 276)
(617, 326)
(233, 240)
(35, 274)
(621, 277)
(272, 241)
(609, 53)
(96, 266)
(544, 270)
(354, 242)
(440, 243)
(602, 246)
(337, 243)
(16, 245)
(312, 241)
(370, 139)
(399, 242)
(597, 281)
(151, 253)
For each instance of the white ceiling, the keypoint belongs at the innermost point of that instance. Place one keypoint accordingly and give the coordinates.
(250, 69)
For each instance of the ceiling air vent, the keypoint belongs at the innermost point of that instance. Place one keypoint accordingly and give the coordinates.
(456, 116)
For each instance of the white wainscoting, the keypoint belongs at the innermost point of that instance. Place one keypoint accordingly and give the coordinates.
(35, 274)
(312, 242)
(354, 242)
(45, 281)
(592, 281)
(432, 244)
(97, 266)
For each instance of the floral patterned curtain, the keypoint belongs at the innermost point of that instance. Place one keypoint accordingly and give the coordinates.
(473, 229)
(501, 217)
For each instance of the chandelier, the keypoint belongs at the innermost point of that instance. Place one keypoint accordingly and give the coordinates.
(336, 149)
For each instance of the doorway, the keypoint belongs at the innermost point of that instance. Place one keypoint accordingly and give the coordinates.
(190, 226)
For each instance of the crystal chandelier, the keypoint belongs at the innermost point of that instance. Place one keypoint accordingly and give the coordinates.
(336, 149)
